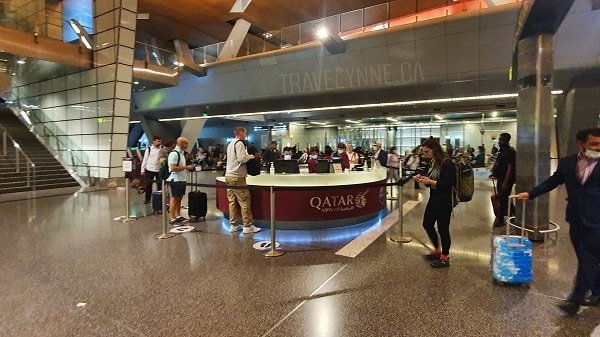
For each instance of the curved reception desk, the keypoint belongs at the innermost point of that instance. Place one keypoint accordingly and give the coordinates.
(314, 201)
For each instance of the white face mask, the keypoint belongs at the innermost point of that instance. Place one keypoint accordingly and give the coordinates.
(592, 154)
(340, 151)
(287, 157)
(314, 156)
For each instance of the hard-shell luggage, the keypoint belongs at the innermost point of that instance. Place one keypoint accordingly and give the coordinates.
(157, 201)
(512, 257)
(197, 200)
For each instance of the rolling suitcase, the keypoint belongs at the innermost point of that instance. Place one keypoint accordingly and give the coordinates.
(512, 258)
(197, 200)
(157, 201)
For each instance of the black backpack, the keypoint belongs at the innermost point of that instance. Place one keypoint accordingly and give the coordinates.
(252, 165)
(164, 172)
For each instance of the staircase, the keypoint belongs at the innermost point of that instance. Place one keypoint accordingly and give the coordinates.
(49, 172)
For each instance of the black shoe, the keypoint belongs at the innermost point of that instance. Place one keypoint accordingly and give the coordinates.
(175, 222)
(592, 301)
(439, 263)
(569, 308)
(181, 219)
(432, 256)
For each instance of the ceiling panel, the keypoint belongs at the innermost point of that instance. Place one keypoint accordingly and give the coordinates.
(205, 22)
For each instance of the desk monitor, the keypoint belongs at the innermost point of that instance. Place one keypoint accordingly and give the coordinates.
(286, 166)
(323, 166)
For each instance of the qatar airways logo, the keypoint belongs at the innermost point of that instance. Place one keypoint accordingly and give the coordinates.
(339, 203)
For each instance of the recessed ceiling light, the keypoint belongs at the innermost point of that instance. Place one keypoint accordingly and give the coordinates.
(494, 114)
(352, 121)
(439, 117)
(22, 61)
(392, 119)
(318, 123)
(556, 92)
(136, 82)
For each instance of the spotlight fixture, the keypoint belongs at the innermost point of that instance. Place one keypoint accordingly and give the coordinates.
(322, 33)
(331, 41)
(267, 35)
(21, 61)
(494, 114)
(84, 37)
(556, 92)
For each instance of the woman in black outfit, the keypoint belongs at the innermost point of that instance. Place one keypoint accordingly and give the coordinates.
(440, 179)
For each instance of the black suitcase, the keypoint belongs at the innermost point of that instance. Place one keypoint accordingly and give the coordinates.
(197, 201)
(157, 201)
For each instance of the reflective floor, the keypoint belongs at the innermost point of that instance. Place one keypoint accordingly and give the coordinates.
(68, 269)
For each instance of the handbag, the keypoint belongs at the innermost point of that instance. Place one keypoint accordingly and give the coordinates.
(495, 198)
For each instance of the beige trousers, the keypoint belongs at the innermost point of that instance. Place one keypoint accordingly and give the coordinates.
(239, 199)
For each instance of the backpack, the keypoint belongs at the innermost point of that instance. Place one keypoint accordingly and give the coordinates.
(164, 172)
(252, 165)
(464, 185)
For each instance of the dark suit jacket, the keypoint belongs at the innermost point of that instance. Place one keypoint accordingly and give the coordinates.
(382, 158)
(583, 201)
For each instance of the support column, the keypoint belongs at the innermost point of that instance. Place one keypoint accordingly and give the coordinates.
(152, 127)
(577, 109)
(191, 129)
(234, 41)
(534, 125)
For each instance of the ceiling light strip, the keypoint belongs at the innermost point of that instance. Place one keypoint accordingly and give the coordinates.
(358, 106)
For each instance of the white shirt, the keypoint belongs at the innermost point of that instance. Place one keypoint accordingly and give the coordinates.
(237, 156)
(150, 162)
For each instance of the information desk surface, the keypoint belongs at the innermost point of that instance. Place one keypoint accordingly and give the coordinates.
(316, 179)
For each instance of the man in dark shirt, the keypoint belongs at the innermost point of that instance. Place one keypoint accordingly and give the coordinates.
(504, 173)
(272, 154)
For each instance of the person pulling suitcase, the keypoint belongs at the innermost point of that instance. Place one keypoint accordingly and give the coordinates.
(581, 175)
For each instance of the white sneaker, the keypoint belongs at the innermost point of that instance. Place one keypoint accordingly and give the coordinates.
(234, 228)
(251, 230)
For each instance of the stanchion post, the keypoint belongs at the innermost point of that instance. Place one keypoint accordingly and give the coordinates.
(165, 234)
(127, 210)
(401, 238)
(274, 251)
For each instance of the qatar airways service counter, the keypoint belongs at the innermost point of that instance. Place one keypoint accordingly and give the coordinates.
(314, 200)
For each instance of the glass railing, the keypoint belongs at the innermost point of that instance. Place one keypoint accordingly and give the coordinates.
(155, 55)
(211, 53)
(69, 153)
(27, 16)
(10, 149)
(382, 16)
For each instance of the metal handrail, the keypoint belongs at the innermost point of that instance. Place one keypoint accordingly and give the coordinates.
(18, 151)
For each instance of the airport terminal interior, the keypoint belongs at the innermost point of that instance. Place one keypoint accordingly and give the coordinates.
(344, 108)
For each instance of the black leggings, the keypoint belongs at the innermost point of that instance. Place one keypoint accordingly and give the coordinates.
(438, 211)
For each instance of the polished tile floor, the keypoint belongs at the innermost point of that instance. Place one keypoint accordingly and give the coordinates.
(68, 269)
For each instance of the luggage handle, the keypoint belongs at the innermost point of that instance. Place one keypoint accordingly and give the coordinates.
(508, 218)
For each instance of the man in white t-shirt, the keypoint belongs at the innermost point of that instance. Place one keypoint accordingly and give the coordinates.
(151, 166)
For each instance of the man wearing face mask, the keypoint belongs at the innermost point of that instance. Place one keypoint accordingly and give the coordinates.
(581, 175)
(287, 153)
(380, 154)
